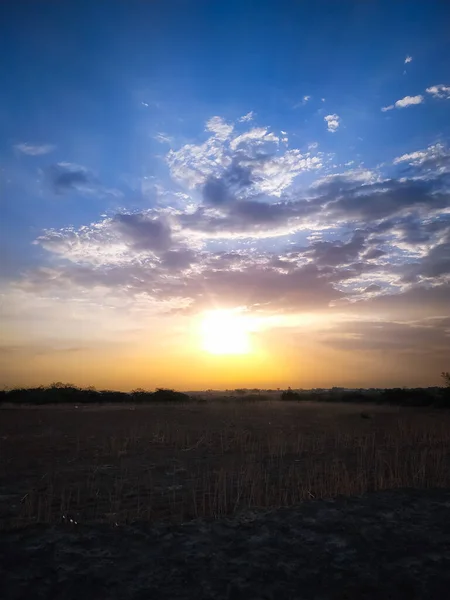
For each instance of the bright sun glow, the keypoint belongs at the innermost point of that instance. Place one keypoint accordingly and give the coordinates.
(225, 332)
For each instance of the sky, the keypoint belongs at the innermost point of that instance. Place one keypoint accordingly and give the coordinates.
(219, 194)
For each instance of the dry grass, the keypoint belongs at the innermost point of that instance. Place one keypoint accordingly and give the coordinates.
(180, 462)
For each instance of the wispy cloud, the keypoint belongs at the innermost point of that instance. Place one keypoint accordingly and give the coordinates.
(439, 91)
(405, 102)
(248, 117)
(303, 101)
(163, 138)
(333, 122)
(34, 149)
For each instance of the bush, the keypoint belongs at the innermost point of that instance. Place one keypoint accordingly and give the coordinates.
(290, 395)
(165, 395)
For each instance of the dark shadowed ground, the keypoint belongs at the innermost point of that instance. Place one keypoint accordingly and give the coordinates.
(224, 500)
(391, 544)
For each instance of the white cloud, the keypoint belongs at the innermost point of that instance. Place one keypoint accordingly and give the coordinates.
(434, 152)
(439, 91)
(219, 127)
(193, 164)
(277, 174)
(256, 136)
(409, 101)
(404, 102)
(408, 59)
(333, 122)
(352, 176)
(306, 99)
(243, 167)
(34, 150)
(248, 117)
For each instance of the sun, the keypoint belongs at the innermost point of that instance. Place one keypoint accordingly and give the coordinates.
(225, 332)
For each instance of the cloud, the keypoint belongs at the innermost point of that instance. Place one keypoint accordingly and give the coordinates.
(247, 219)
(337, 253)
(333, 122)
(242, 234)
(142, 232)
(439, 91)
(404, 102)
(409, 101)
(219, 127)
(256, 138)
(163, 138)
(240, 167)
(33, 149)
(64, 177)
(434, 160)
(303, 101)
(408, 59)
(248, 117)
(384, 199)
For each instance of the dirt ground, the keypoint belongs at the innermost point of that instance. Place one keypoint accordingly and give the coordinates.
(224, 501)
(391, 544)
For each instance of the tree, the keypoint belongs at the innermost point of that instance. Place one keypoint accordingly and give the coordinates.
(446, 377)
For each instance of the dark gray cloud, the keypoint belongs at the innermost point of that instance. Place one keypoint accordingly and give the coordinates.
(374, 253)
(220, 190)
(337, 252)
(379, 201)
(176, 260)
(246, 216)
(143, 232)
(64, 177)
(434, 265)
(414, 229)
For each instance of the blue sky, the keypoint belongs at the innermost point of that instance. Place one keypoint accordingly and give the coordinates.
(153, 150)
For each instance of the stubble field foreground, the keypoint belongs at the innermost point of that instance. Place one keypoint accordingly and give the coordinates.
(225, 500)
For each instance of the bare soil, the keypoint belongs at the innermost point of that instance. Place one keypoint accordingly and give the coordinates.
(391, 544)
(224, 500)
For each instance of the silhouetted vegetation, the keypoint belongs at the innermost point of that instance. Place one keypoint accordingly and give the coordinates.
(60, 393)
(291, 395)
(446, 377)
(66, 393)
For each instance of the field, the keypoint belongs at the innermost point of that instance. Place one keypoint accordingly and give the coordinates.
(121, 464)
